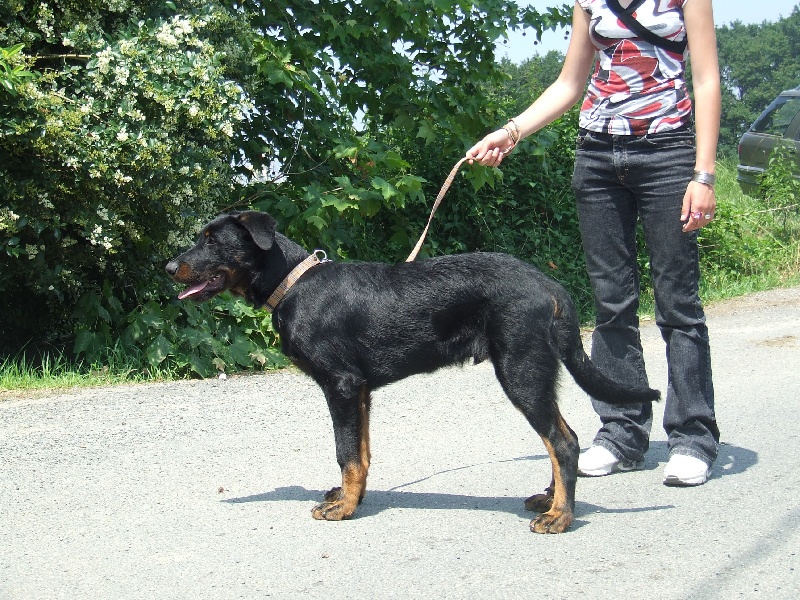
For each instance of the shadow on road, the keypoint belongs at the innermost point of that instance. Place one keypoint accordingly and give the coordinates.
(732, 460)
(378, 501)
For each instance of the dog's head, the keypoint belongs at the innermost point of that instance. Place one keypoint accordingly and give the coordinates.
(225, 256)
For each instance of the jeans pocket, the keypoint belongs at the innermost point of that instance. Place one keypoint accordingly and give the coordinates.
(682, 138)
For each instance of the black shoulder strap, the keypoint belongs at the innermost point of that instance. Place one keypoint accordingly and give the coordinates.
(643, 32)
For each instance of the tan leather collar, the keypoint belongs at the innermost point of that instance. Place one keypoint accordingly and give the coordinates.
(317, 257)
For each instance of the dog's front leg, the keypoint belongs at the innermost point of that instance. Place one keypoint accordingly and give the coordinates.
(350, 414)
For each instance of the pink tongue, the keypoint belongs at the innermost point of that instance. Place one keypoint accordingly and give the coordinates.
(192, 290)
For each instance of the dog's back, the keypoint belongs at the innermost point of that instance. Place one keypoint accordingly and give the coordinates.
(432, 312)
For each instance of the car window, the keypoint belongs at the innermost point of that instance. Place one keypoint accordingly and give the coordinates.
(776, 119)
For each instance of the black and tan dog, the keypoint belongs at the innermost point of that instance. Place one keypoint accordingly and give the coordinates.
(354, 327)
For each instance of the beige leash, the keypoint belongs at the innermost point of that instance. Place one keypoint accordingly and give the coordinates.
(512, 129)
(442, 192)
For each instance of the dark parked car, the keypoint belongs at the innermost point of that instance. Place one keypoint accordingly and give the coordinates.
(780, 120)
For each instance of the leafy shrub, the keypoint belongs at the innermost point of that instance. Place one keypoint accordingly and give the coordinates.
(746, 239)
(12, 72)
(222, 335)
(147, 117)
(108, 163)
(778, 187)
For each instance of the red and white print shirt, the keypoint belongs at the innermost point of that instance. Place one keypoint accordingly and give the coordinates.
(636, 88)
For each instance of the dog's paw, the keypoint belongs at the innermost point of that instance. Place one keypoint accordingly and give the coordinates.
(551, 523)
(540, 503)
(332, 511)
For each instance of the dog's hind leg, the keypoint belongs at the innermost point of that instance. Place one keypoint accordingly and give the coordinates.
(531, 386)
(557, 504)
(350, 414)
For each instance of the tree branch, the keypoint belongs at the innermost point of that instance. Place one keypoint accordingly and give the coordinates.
(39, 57)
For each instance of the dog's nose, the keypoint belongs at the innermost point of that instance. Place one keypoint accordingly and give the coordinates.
(172, 267)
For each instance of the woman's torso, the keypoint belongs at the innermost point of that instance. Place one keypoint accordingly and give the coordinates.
(636, 87)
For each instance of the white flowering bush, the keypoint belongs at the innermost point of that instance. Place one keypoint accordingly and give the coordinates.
(109, 159)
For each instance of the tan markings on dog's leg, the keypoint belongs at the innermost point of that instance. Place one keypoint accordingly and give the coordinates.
(341, 503)
(559, 516)
(365, 455)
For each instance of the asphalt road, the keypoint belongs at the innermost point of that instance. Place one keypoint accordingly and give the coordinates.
(204, 489)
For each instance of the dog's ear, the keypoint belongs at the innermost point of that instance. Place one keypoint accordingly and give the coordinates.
(261, 227)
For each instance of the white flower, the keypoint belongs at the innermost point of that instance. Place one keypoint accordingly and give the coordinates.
(121, 74)
(103, 60)
(183, 27)
(166, 37)
(119, 178)
(122, 135)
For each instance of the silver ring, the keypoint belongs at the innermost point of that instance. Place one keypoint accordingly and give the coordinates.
(709, 217)
(697, 215)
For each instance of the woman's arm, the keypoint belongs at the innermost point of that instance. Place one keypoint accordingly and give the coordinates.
(557, 99)
(699, 19)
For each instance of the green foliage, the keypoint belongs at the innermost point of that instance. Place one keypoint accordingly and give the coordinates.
(351, 83)
(757, 62)
(778, 186)
(128, 123)
(144, 118)
(109, 158)
(746, 239)
(11, 72)
(218, 336)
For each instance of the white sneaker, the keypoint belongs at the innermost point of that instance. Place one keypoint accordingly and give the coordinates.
(598, 461)
(685, 470)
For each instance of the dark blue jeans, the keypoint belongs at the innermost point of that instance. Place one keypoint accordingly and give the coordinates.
(619, 181)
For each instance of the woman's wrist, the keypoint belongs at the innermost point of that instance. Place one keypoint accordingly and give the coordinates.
(704, 177)
(512, 130)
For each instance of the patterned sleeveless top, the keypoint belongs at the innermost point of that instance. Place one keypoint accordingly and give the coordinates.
(636, 88)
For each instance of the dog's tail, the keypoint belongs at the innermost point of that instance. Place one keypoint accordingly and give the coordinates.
(584, 371)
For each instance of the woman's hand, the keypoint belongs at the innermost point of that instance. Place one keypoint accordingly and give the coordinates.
(491, 149)
(699, 206)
